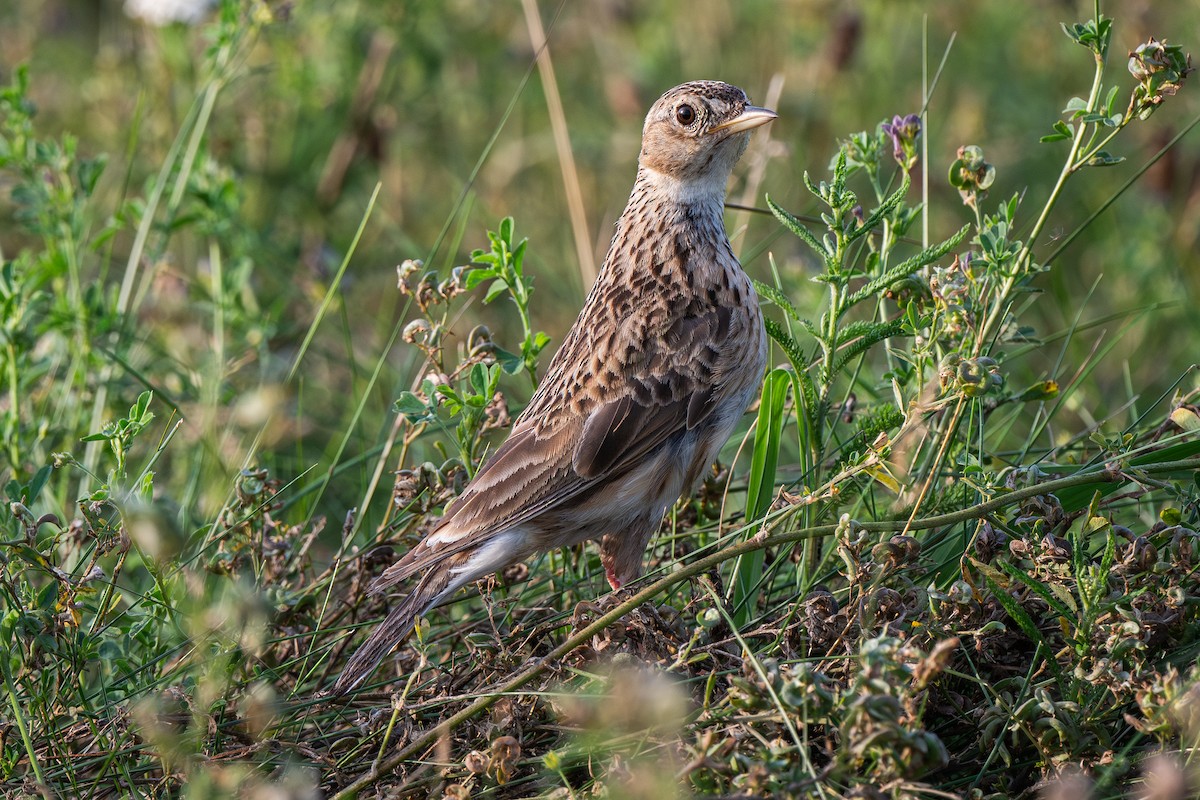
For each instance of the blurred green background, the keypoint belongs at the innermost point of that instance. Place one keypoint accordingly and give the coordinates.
(335, 97)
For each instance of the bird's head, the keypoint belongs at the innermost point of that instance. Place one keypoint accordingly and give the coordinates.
(696, 132)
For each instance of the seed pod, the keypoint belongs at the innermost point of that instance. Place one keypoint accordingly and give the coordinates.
(416, 332)
(405, 273)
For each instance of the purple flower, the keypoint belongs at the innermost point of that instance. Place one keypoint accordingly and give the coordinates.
(904, 132)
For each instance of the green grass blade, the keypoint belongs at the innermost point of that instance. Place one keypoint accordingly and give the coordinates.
(748, 569)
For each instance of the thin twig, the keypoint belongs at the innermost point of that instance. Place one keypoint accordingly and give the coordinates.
(562, 143)
(758, 169)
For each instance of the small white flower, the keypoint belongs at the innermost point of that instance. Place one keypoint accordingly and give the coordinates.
(164, 12)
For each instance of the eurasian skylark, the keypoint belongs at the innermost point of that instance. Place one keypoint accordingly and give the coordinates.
(663, 360)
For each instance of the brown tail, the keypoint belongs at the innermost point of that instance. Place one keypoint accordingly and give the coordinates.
(394, 629)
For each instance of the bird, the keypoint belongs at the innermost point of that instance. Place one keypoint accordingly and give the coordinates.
(665, 357)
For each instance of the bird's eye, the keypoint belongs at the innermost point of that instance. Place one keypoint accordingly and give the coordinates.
(685, 114)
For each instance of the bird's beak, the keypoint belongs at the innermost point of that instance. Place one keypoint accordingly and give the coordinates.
(751, 117)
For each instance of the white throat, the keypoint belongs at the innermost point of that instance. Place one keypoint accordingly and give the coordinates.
(705, 189)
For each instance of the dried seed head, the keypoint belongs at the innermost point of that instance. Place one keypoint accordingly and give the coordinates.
(476, 762)
(506, 751)
(937, 661)
(495, 414)
(427, 292)
(1160, 70)
(406, 488)
(971, 174)
(515, 573)
(406, 273)
(417, 332)
(479, 341)
(989, 541)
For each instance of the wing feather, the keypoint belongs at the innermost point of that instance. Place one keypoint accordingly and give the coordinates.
(672, 386)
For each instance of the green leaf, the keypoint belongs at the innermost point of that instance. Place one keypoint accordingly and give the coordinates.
(1073, 32)
(1176, 452)
(30, 556)
(509, 362)
(89, 172)
(787, 344)
(1023, 620)
(1075, 105)
(797, 227)
(1075, 498)
(769, 292)
(1042, 390)
(761, 489)
(109, 650)
(47, 598)
(1110, 555)
(498, 287)
(139, 413)
(478, 275)
(860, 328)
(791, 311)
(1037, 587)
(1104, 159)
(808, 391)
(410, 406)
(891, 202)
(37, 483)
(908, 267)
(747, 571)
(479, 379)
(874, 334)
(1054, 137)
(1186, 419)
(7, 625)
(518, 255)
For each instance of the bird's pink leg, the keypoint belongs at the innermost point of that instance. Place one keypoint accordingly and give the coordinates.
(611, 574)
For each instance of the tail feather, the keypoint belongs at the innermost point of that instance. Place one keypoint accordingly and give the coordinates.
(393, 630)
(452, 569)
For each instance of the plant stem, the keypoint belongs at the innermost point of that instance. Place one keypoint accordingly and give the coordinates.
(1025, 257)
(19, 718)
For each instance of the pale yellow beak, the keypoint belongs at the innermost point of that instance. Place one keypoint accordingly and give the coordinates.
(750, 118)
